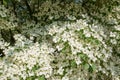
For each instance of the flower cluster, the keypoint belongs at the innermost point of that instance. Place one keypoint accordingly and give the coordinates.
(6, 18)
(74, 51)
(80, 50)
(25, 60)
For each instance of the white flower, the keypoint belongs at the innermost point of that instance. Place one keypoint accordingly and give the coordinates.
(59, 47)
(117, 28)
(87, 33)
(65, 78)
(112, 34)
(71, 17)
(78, 61)
(56, 39)
(113, 41)
(53, 30)
(30, 73)
(60, 70)
(65, 36)
(91, 56)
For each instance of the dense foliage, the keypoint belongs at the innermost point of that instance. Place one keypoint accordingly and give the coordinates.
(59, 40)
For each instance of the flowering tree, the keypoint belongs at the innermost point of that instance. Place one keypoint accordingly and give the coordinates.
(55, 40)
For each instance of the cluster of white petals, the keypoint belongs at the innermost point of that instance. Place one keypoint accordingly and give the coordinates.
(25, 59)
(6, 18)
(66, 51)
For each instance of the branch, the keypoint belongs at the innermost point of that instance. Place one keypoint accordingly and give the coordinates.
(29, 9)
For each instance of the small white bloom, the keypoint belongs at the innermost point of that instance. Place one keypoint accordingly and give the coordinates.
(112, 34)
(60, 70)
(59, 47)
(56, 39)
(117, 28)
(87, 33)
(113, 41)
(65, 78)
(78, 61)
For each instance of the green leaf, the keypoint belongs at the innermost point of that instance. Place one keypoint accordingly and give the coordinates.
(80, 34)
(67, 48)
(92, 40)
(86, 66)
(28, 78)
(5, 2)
(83, 56)
(93, 67)
(73, 64)
(90, 69)
(41, 77)
(35, 67)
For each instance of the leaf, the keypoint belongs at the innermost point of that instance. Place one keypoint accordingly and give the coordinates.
(92, 68)
(67, 48)
(86, 66)
(73, 64)
(41, 77)
(92, 40)
(83, 57)
(80, 34)
(5, 2)
(35, 67)
(28, 78)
